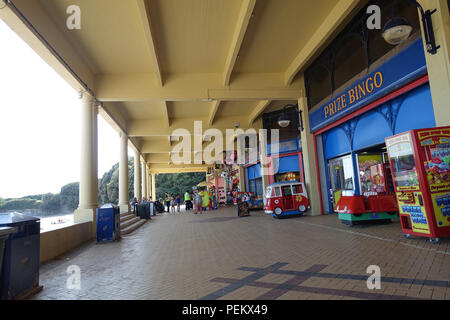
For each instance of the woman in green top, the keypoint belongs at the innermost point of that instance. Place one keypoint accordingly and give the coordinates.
(205, 200)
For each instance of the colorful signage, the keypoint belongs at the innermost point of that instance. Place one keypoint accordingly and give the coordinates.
(361, 90)
(401, 69)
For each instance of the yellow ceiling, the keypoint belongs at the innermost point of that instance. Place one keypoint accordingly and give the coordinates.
(278, 31)
(159, 65)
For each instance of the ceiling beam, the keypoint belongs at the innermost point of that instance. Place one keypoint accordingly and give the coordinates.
(143, 128)
(238, 36)
(261, 106)
(148, 147)
(145, 19)
(212, 114)
(322, 34)
(165, 111)
(166, 168)
(194, 87)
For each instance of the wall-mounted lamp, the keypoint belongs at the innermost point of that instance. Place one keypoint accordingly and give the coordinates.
(398, 30)
(284, 121)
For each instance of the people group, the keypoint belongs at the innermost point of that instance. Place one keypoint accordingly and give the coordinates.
(135, 202)
(197, 201)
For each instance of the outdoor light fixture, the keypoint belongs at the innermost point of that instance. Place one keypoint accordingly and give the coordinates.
(284, 121)
(398, 30)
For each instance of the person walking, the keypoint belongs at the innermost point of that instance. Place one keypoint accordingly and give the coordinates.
(172, 203)
(133, 205)
(205, 200)
(198, 202)
(167, 200)
(187, 201)
(178, 201)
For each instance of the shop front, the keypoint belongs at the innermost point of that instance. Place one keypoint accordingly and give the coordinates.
(284, 157)
(253, 180)
(350, 129)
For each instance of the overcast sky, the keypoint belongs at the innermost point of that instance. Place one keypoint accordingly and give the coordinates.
(40, 124)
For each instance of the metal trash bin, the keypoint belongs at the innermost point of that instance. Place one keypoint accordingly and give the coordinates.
(20, 274)
(143, 211)
(4, 235)
(108, 223)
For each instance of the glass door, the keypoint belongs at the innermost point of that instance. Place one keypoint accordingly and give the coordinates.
(341, 177)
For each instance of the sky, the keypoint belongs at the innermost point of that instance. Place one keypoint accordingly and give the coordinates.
(40, 125)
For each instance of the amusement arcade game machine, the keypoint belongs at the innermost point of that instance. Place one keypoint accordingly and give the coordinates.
(420, 162)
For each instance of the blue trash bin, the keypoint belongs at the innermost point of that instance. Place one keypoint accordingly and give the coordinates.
(108, 223)
(4, 235)
(20, 274)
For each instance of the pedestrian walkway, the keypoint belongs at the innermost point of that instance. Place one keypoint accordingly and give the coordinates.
(220, 256)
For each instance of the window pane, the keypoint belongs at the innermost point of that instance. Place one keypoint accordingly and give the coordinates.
(403, 166)
(298, 189)
(350, 61)
(287, 191)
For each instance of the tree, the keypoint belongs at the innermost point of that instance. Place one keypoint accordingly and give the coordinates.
(69, 196)
(177, 183)
(51, 202)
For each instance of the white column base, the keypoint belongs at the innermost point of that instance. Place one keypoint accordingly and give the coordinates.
(124, 208)
(87, 215)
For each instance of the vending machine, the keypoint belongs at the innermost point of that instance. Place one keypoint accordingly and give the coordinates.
(420, 166)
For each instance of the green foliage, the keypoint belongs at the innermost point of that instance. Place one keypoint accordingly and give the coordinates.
(177, 183)
(19, 204)
(108, 185)
(69, 196)
(51, 202)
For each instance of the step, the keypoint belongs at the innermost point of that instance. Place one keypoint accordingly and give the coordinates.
(126, 218)
(129, 222)
(123, 214)
(133, 227)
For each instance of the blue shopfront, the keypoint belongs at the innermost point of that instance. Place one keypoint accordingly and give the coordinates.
(286, 157)
(351, 128)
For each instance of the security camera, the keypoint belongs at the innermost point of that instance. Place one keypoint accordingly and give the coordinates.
(236, 125)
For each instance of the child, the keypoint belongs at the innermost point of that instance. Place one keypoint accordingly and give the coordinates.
(198, 202)
(172, 204)
(178, 202)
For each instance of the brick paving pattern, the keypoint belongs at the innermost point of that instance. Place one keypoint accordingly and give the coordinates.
(219, 256)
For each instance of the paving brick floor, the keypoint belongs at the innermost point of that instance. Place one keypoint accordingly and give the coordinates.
(219, 256)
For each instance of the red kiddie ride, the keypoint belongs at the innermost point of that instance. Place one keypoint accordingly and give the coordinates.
(377, 204)
(286, 199)
(420, 161)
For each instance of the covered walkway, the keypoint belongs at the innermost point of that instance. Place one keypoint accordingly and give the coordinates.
(220, 256)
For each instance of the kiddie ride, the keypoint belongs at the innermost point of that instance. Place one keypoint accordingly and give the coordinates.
(253, 202)
(376, 205)
(286, 199)
(420, 161)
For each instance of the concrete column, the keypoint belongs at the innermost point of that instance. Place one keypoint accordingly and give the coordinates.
(154, 187)
(309, 161)
(241, 179)
(439, 64)
(147, 174)
(144, 180)
(124, 202)
(88, 195)
(137, 176)
(264, 164)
